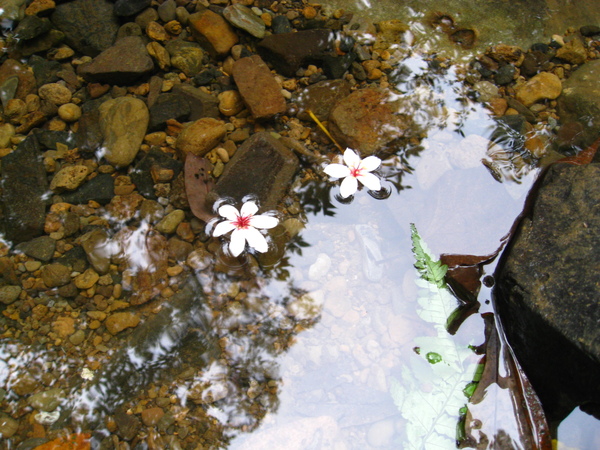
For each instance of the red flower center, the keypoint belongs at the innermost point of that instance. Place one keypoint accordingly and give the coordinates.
(356, 171)
(242, 222)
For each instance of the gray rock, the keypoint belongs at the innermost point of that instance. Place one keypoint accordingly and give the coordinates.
(201, 103)
(167, 11)
(8, 89)
(287, 52)
(90, 26)
(46, 401)
(548, 290)
(9, 294)
(124, 63)
(185, 56)
(31, 27)
(281, 24)
(580, 100)
(41, 248)
(8, 425)
(168, 106)
(261, 166)
(23, 193)
(124, 122)
(242, 17)
(99, 189)
(126, 8)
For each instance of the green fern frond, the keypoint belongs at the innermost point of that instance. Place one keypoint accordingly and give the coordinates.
(430, 270)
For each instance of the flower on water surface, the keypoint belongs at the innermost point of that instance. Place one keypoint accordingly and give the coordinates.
(244, 224)
(354, 170)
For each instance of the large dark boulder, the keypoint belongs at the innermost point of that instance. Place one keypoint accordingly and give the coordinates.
(548, 290)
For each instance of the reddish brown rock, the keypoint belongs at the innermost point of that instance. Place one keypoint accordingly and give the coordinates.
(366, 121)
(258, 88)
(27, 84)
(213, 32)
(117, 322)
(544, 85)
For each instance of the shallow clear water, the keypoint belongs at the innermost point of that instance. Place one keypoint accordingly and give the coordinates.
(321, 337)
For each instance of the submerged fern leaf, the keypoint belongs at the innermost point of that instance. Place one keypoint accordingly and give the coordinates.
(430, 270)
(430, 391)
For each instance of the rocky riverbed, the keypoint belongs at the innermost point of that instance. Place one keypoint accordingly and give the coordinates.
(123, 122)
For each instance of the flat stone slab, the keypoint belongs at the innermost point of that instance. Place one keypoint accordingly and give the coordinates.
(24, 188)
(262, 166)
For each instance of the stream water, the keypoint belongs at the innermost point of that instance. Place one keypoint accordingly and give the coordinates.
(324, 348)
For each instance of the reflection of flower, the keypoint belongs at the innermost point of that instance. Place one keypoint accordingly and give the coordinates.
(354, 170)
(244, 225)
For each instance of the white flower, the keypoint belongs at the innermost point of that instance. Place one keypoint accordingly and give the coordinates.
(244, 225)
(355, 170)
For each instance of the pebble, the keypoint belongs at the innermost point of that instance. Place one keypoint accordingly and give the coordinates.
(544, 85)
(230, 103)
(117, 322)
(55, 93)
(9, 294)
(8, 426)
(201, 136)
(69, 178)
(87, 279)
(77, 338)
(124, 122)
(169, 223)
(242, 17)
(151, 416)
(46, 401)
(55, 275)
(69, 112)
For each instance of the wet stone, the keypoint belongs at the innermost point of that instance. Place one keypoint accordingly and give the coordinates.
(128, 425)
(168, 106)
(46, 401)
(167, 11)
(142, 176)
(151, 416)
(287, 52)
(505, 75)
(90, 26)
(185, 56)
(41, 248)
(201, 104)
(55, 275)
(242, 17)
(69, 178)
(31, 27)
(261, 165)
(365, 122)
(201, 136)
(545, 85)
(99, 189)
(320, 98)
(8, 425)
(213, 32)
(124, 63)
(117, 322)
(9, 294)
(126, 8)
(26, 80)
(124, 123)
(281, 24)
(258, 87)
(24, 187)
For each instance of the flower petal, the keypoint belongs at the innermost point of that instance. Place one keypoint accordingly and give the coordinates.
(262, 221)
(229, 212)
(351, 158)
(238, 241)
(370, 163)
(370, 181)
(223, 228)
(256, 240)
(248, 209)
(337, 170)
(348, 186)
